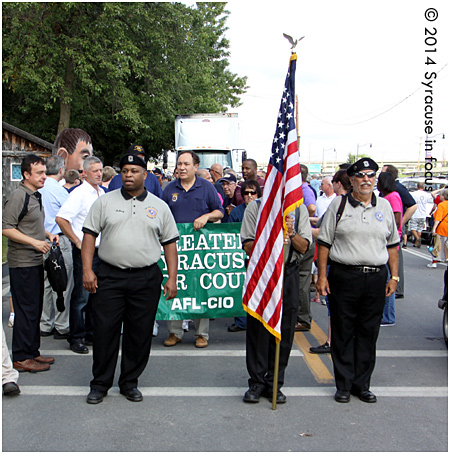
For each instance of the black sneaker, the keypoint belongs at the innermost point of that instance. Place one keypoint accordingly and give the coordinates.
(324, 348)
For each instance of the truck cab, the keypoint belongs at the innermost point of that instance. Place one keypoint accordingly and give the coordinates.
(213, 137)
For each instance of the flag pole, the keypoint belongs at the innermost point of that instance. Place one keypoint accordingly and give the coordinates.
(275, 376)
(277, 349)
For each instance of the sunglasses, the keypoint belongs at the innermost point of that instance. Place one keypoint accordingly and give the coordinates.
(362, 174)
(249, 193)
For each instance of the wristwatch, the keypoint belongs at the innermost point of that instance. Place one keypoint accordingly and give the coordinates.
(395, 278)
(292, 236)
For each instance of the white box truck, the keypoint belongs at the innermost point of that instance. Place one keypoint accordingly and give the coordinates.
(213, 137)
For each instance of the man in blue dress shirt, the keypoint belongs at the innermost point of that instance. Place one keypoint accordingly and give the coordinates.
(151, 182)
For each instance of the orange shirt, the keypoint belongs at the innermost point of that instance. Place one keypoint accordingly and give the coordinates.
(441, 215)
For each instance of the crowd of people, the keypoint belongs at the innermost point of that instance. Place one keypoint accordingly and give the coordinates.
(111, 226)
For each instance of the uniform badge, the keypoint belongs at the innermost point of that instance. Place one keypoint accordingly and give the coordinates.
(366, 163)
(379, 216)
(174, 196)
(130, 158)
(151, 212)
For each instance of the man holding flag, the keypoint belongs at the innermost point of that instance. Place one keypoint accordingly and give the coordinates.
(274, 239)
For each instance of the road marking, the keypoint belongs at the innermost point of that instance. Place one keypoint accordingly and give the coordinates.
(241, 353)
(328, 391)
(315, 364)
(424, 256)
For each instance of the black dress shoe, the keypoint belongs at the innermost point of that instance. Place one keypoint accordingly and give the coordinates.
(234, 328)
(96, 396)
(78, 346)
(366, 396)
(281, 398)
(59, 335)
(47, 333)
(342, 396)
(11, 389)
(132, 394)
(251, 396)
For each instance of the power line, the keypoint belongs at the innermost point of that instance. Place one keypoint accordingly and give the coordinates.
(375, 116)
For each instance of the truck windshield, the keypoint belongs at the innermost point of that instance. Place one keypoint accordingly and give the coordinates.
(208, 158)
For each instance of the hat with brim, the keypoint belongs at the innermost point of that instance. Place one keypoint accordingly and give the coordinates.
(132, 159)
(362, 164)
(229, 178)
(136, 149)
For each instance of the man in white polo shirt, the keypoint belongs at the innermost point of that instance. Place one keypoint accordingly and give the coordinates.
(323, 201)
(419, 216)
(134, 225)
(70, 219)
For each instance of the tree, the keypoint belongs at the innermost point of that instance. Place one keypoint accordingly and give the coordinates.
(121, 71)
(351, 158)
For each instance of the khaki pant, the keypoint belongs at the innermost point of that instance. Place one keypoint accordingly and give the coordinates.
(201, 327)
(8, 373)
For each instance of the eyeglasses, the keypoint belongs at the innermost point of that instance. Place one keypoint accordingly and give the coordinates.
(249, 193)
(362, 174)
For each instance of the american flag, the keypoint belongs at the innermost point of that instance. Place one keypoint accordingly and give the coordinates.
(263, 286)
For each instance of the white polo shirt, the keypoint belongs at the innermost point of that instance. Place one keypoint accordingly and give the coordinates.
(322, 204)
(77, 206)
(133, 228)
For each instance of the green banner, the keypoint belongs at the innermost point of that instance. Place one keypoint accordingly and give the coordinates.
(211, 273)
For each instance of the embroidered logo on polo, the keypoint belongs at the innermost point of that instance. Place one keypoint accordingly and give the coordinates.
(174, 196)
(151, 212)
(379, 216)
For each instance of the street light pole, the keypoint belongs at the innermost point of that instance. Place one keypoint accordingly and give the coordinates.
(323, 156)
(358, 146)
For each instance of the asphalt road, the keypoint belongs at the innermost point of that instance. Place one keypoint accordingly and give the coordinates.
(193, 398)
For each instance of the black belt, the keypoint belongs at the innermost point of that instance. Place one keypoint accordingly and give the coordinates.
(362, 268)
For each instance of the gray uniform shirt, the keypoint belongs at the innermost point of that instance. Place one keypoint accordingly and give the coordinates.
(363, 234)
(133, 228)
(248, 227)
(22, 255)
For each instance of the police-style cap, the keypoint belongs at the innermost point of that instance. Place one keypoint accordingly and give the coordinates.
(362, 164)
(132, 159)
(229, 178)
(136, 149)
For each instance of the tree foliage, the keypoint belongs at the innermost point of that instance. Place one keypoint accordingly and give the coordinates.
(120, 71)
(351, 158)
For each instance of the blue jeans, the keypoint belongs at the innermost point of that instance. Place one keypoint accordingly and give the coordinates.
(389, 306)
(80, 297)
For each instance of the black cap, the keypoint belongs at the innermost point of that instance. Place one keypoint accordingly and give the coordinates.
(362, 164)
(229, 178)
(157, 171)
(131, 158)
(136, 149)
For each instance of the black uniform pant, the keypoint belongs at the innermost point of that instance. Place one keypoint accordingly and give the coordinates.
(27, 291)
(130, 297)
(356, 306)
(260, 354)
